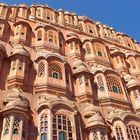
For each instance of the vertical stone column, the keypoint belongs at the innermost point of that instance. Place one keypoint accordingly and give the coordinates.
(99, 135)
(11, 127)
(4, 120)
(21, 130)
(50, 122)
(101, 32)
(114, 33)
(32, 15)
(75, 20)
(61, 17)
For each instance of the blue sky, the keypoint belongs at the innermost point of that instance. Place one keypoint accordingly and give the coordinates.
(123, 15)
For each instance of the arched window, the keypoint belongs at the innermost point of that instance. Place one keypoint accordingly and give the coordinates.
(52, 37)
(13, 65)
(90, 29)
(86, 82)
(100, 83)
(38, 12)
(23, 30)
(20, 65)
(44, 136)
(117, 59)
(114, 85)
(55, 71)
(15, 131)
(44, 124)
(88, 49)
(100, 54)
(55, 75)
(102, 88)
(41, 69)
(115, 89)
(81, 26)
(132, 63)
(17, 30)
(62, 128)
(16, 126)
(6, 131)
(6, 125)
(95, 136)
(62, 136)
(119, 134)
(39, 35)
(133, 132)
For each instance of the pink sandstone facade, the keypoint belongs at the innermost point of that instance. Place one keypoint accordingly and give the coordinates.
(66, 77)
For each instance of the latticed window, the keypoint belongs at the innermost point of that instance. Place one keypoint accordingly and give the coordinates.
(44, 136)
(132, 63)
(17, 30)
(62, 136)
(100, 83)
(119, 133)
(23, 30)
(117, 59)
(88, 49)
(133, 132)
(20, 65)
(16, 126)
(38, 12)
(1, 29)
(86, 82)
(13, 65)
(55, 71)
(103, 135)
(62, 128)
(44, 126)
(100, 54)
(52, 37)
(7, 126)
(114, 85)
(71, 44)
(81, 26)
(95, 136)
(90, 29)
(41, 69)
(80, 80)
(39, 35)
(136, 94)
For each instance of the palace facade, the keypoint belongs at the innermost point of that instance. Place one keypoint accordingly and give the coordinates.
(66, 77)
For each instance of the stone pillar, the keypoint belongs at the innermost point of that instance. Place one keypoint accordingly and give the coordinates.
(75, 20)
(4, 121)
(61, 17)
(11, 127)
(101, 32)
(50, 128)
(98, 134)
(21, 129)
(32, 15)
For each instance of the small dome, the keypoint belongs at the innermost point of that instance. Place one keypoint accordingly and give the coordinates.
(60, 10)
(23, 5)
(67, 13)
(19, 49)
(3, 4)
